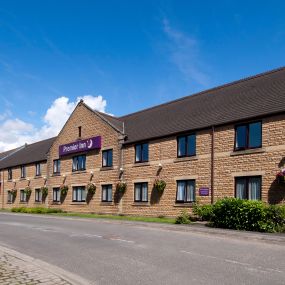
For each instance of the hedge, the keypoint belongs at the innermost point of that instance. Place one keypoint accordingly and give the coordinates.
(232, 213)
(36, 210)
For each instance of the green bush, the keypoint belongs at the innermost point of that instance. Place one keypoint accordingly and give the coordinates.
(248, 215)
(183, 218)
(36, 210)
(203, 212)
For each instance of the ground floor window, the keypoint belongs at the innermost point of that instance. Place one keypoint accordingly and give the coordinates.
(78, 194)
(185, 191)
(107, 193)
(9, 197)
(23, 196)
(56, 194)
(141, 192)
(38, 195)
(248, 187)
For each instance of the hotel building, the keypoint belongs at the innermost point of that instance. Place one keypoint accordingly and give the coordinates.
(228, 141)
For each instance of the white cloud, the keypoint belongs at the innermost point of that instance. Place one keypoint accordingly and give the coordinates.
(15, 132)
(184, 53)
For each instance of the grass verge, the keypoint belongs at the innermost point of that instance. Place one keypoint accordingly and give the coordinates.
(58, 212)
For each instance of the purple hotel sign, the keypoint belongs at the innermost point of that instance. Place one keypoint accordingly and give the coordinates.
(204, 191)
(82, 145)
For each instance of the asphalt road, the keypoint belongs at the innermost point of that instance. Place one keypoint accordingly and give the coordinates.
(111, 252)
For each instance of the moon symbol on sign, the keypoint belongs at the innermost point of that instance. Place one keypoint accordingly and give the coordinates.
(89, 143)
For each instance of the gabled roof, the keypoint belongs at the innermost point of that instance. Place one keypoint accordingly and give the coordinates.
(252, 97)
(30, 153)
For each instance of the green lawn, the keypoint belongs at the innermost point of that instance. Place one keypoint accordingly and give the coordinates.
(58, 212)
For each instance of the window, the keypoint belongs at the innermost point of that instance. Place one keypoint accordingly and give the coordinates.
(248, 187)
(79, 132)
(107, 158)
(38, 169)
(141, 152)
(106, 193)
(185, 191)
(141, 194)
(186, 145)
(10, 174)
(9, 197)
(248, 136)
(56, 166)
(23, 171)
(56, 194)
(78, 194)
(38, 195)
(23, 196)
(78, 162)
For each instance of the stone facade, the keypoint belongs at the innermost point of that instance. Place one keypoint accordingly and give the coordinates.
(163, 163)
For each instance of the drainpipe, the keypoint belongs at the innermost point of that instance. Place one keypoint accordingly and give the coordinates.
(212, 164)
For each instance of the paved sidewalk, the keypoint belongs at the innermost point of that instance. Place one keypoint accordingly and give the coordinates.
(16, 268)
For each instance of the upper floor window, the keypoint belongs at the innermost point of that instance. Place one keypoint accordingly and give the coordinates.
(186, 145)
(23, 171)
(79, 131)
(248, 136)
(248, 187)
(107, 158)
(78, 194)
(141, 152)
(10, 174)
(141, 192)
(79, 162)
(38, 169)
(185, 191)
(56, 166)
(107, 193)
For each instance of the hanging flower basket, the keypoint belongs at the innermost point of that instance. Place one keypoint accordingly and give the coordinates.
(91, 188)
(14, 193)
(159, 185)
(121, 187)
(44, 190)
(28, 192)
(280, 176)
(63, 190)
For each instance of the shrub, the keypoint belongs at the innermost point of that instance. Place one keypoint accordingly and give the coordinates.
(36, 210)
(183, 218)
(203, 212)
(63, 190)
(248, 215)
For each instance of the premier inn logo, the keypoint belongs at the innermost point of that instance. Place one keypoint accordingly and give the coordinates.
(80, 146)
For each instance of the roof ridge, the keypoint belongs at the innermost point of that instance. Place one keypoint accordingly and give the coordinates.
(207, 90)
(28, 144)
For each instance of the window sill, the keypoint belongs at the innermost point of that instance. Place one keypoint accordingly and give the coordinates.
(78, 172)
(184, 205)
(10, 180)
(55, 174)
(9, 203)
(22, 178)
(38, 202)
(139, 164)
(144, 204)
(187, 158)
(38, 176)
(247, 151)
(22, 202)
(78, 203)
(105, 168)
(56, 203)
(106, 203)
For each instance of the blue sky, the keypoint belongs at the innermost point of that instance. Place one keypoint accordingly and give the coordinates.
(134, 54)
